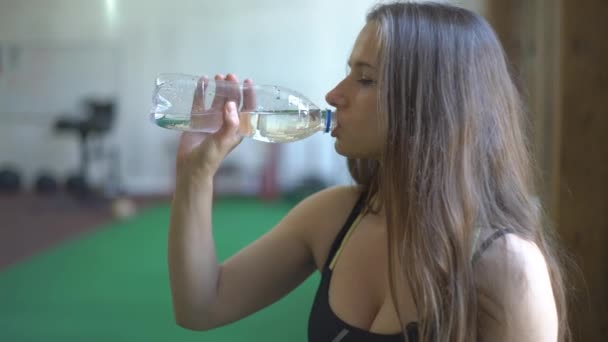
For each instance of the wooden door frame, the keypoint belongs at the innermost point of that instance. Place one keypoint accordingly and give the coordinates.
(530, 31)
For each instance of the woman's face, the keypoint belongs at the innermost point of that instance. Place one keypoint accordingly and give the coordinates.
(355, 98)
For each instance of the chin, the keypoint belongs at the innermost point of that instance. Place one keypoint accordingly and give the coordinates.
(344, 150)
(339, 147)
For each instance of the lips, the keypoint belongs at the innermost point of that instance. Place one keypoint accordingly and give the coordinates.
(334, 131)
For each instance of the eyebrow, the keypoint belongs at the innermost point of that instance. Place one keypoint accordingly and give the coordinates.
(360, 64)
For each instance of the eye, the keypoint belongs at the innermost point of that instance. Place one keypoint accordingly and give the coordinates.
(366, 82)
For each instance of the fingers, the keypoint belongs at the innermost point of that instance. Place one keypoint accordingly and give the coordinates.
(227, 137)
(233, 93)
(231, 118)
(226, 89)
(209, 150)
(232, 78)
(248, 96)
(219, 100)
(248, 107)
(198, 103)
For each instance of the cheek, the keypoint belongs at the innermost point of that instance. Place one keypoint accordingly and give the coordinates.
(360, 135)
(362, 139)
(369, 124)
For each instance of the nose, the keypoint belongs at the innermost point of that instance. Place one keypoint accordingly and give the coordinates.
(335, 97)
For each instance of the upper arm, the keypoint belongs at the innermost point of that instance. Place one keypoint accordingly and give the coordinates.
(515, 294)
(277, 262)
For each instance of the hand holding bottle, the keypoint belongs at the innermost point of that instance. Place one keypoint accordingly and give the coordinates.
(200, 153)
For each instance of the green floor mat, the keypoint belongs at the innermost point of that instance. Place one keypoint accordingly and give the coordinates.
(112, 285)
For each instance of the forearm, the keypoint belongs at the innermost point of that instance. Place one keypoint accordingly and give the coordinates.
(193, 266)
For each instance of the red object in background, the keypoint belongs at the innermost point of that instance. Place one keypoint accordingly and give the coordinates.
(269, 189)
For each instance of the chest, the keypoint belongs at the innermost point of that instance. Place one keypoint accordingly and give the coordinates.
(359, 287)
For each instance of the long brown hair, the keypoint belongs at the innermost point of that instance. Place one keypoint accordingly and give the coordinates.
(456, 159)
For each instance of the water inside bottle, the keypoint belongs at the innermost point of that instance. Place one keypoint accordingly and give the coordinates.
(273, 126)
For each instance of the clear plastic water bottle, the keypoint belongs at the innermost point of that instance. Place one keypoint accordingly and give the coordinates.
(270, 114)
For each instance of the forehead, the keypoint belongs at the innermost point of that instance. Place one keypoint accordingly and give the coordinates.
(366, 46)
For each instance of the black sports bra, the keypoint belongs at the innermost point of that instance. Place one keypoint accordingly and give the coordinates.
(325, 326)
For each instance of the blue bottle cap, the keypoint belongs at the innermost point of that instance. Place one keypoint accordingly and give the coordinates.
(328, 121)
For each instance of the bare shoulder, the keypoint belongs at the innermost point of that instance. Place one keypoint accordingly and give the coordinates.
(511, 262)
(515, 293)
(321, 215)
(323, 207)
(333, 196)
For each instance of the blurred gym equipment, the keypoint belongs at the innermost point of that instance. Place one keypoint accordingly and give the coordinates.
(98, 121)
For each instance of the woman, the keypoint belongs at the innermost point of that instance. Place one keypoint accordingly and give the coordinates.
(441, 238)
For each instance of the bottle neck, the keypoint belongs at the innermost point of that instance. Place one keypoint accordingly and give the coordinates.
(329, 120)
